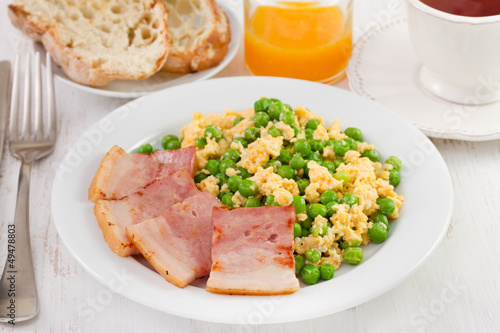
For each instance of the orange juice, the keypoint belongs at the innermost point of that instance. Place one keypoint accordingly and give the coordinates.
(303, 40)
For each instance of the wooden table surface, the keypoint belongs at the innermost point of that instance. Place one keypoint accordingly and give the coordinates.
(457, 289)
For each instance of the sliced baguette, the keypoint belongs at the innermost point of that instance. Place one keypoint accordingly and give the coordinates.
(94, 41)
(200, 35)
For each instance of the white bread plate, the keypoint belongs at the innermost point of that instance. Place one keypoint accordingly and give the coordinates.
(161, 80)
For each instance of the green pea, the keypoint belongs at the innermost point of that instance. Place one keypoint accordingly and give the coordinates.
(352, 243)
(299, 203)
(312, 255)
(286, 171)
(343, 176)
(285, 156)
(212, 166)
(352, 143)
(341, 147)
(394, 177)
(309, 274)
(244, 173)
(328, 196)
(312, 124)
(330, 142)
(213, 133)
(288, 107)
(201, 142)
(302, 147)
(309, 133)
(288, 118)
(378, 232)
(247, 188)
(395, 162)
(316, 209)
(238, 120)
(232, 154)
(171, 145)
(337, 162)
(226, 164)
(315, 156)
(299, 263)
(320, 231)
(326, 271)
(269, 200)
(302, 184)
(328, 165)
(381, 218)
(305, 232)
(233, 182)
(251, 134)
(307, 223)
(353, 255)
(262, 105)
(274, 132)
(372, 154)
(349, 199)
(222, 179)
(296, 131)
(317, 145)
(261, 119)
(170, 137)
(354, 133)
(306, 170)
(387, 206)
(166, 139)
(146, 148)
(199, 177)
(253, 202)
(331, 211)
(297, 162)
(242, 141)
(297, 230)
(275, 110)
(273, 163)
(227, 199)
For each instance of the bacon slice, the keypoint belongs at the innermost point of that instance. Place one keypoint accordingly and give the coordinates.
(252, 251)
(178, 243)
(114, 216)
(121, 174)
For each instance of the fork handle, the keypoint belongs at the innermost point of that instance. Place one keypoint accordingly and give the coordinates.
(18, 299)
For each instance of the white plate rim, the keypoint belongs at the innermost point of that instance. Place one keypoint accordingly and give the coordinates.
(230, 303)
(355, 81)
(233, 47)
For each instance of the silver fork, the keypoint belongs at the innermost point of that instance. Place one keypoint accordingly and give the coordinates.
(18, 298)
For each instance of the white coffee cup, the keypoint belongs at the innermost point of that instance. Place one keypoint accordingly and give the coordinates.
(460, 54)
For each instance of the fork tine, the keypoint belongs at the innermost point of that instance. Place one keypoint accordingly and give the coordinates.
(25, 128)
(14, 104)
(52, 130)
(38, 99)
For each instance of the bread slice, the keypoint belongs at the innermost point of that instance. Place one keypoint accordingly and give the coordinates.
(200, 35)
(98, 41)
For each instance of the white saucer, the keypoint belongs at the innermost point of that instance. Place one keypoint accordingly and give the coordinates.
(385, 68)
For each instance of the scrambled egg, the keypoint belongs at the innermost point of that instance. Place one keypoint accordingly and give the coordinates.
(368, 180)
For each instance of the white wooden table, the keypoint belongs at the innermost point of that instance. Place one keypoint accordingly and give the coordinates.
(456, 290)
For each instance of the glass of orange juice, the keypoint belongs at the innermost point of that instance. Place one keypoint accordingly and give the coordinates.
(310, 40)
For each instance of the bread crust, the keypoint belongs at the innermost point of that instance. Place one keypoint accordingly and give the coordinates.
(77, 68)
(20, 19)
(209, 53)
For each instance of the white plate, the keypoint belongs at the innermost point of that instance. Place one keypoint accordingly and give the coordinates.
(161, 80)
(424, 219)
(385, 68)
